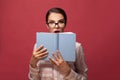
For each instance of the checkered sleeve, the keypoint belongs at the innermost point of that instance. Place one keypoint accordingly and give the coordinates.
(33, 73)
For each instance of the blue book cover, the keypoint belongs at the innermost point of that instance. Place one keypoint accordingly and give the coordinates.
(65, 42)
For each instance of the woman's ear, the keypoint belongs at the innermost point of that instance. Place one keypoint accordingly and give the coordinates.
(47, 26)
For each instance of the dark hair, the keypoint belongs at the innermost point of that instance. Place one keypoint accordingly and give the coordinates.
(56, 10)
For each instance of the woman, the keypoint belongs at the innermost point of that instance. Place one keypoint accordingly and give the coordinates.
(56, 68)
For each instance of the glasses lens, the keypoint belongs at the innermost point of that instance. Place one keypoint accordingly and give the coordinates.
(51, 24)
(60, 23)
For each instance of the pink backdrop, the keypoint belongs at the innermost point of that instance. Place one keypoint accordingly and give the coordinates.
(96, 23)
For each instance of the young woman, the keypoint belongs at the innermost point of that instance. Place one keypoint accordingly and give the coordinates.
(56, 68)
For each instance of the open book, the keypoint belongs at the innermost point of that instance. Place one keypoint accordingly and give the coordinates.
(65, 42)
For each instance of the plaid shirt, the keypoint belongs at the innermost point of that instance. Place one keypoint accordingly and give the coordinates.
(46, 71)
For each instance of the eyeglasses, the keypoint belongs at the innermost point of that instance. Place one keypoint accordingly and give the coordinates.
(60, 23)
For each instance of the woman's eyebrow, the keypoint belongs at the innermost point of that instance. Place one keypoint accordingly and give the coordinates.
(61, 20)
(51, 21)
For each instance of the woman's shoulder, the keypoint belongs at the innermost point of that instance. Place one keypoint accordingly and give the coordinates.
(78, 44)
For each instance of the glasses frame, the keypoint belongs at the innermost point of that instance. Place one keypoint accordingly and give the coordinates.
(58, 23)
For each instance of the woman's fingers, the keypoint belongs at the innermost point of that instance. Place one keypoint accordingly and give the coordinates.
(59, 54)
(53, 61)
(38, 54)
(43, 54)
(55, 56)
(42, 50)
(39, 48)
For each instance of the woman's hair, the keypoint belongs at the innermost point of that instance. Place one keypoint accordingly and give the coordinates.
(56, 10)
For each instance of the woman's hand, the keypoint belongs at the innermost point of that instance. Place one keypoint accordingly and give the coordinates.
(61, 65)
(38, 54)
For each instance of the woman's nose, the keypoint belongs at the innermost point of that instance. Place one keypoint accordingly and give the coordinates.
(56, 26)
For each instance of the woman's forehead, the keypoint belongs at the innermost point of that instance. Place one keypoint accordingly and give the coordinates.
(55, 16)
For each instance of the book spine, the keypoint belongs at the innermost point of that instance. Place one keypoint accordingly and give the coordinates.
(57, 41)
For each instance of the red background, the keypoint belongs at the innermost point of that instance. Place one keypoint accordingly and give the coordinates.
(96, 23)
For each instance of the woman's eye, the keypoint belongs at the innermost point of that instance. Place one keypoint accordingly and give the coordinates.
(61, 21)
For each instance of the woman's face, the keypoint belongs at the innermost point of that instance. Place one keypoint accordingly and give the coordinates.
(56, 23)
